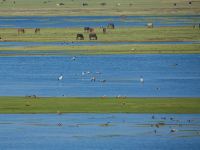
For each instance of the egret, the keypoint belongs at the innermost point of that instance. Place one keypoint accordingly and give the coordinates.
(60, 77)
(74, 58)
(141, 79)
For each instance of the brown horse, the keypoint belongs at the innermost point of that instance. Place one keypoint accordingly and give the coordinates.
(37, 30)
(91, 30)
(92, 36)
(21, 31)
(104, 30)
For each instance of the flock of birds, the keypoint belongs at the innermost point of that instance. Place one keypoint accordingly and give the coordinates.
(93, 79)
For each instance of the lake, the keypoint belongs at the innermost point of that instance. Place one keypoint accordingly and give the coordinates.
(162, 75)
(95, 21)
(99, 131)
(93, 43)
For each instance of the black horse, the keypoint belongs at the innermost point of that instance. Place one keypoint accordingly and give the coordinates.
(85, 4)
(86, 29)
(92, 36)
(79, 36)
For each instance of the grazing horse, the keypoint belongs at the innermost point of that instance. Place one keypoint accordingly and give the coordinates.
(85, 4)
(37, 30)
(104, 30)
(21, 31)
(92, 36)
(86, 29)
(111, 26)
(91, 30)
(103, 4)
(79, 36)
(149, 25)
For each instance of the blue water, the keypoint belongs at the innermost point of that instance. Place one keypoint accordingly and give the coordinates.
(94, 21)
(93, 43)
(164, 75)
(89, 132)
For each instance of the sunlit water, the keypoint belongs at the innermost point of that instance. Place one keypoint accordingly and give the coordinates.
(99, 132)
(163, 75)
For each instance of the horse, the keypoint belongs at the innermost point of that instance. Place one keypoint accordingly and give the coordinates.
(111, 26)
(104, 30)
(79, 36)
(85, 4)
(149, 25)
(102, 4)
(91, 30)
(86, 29)
(21, 31)
(92, 36)
(37, 30)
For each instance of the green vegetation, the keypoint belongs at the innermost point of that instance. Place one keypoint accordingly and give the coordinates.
(131, 34)
(94, 7)
(99, 105)
(127, 34)
(114, 49)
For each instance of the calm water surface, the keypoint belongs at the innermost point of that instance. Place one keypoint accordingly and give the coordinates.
(93, 43)
(99, 132)
(94, 21)
(163, 75)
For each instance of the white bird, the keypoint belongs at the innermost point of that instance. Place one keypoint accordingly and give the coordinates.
(88, 72)
(141, 80)
(74, 58)
(60, 77)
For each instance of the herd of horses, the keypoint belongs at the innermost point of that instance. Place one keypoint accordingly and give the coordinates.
(92, 34)
(79, 36)
(91, 31)
(22, 30)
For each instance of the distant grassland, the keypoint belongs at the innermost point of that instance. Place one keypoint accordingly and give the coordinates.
(99, 105)
(131, 34)
(112, 7)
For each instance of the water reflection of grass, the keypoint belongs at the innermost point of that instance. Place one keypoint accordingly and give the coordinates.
(99, 105)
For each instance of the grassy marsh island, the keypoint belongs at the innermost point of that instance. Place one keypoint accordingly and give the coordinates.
(99, 105)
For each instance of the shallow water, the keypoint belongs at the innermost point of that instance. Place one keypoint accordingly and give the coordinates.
(93, 43)
(164, 75)
(99, 132)
(94, 21)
